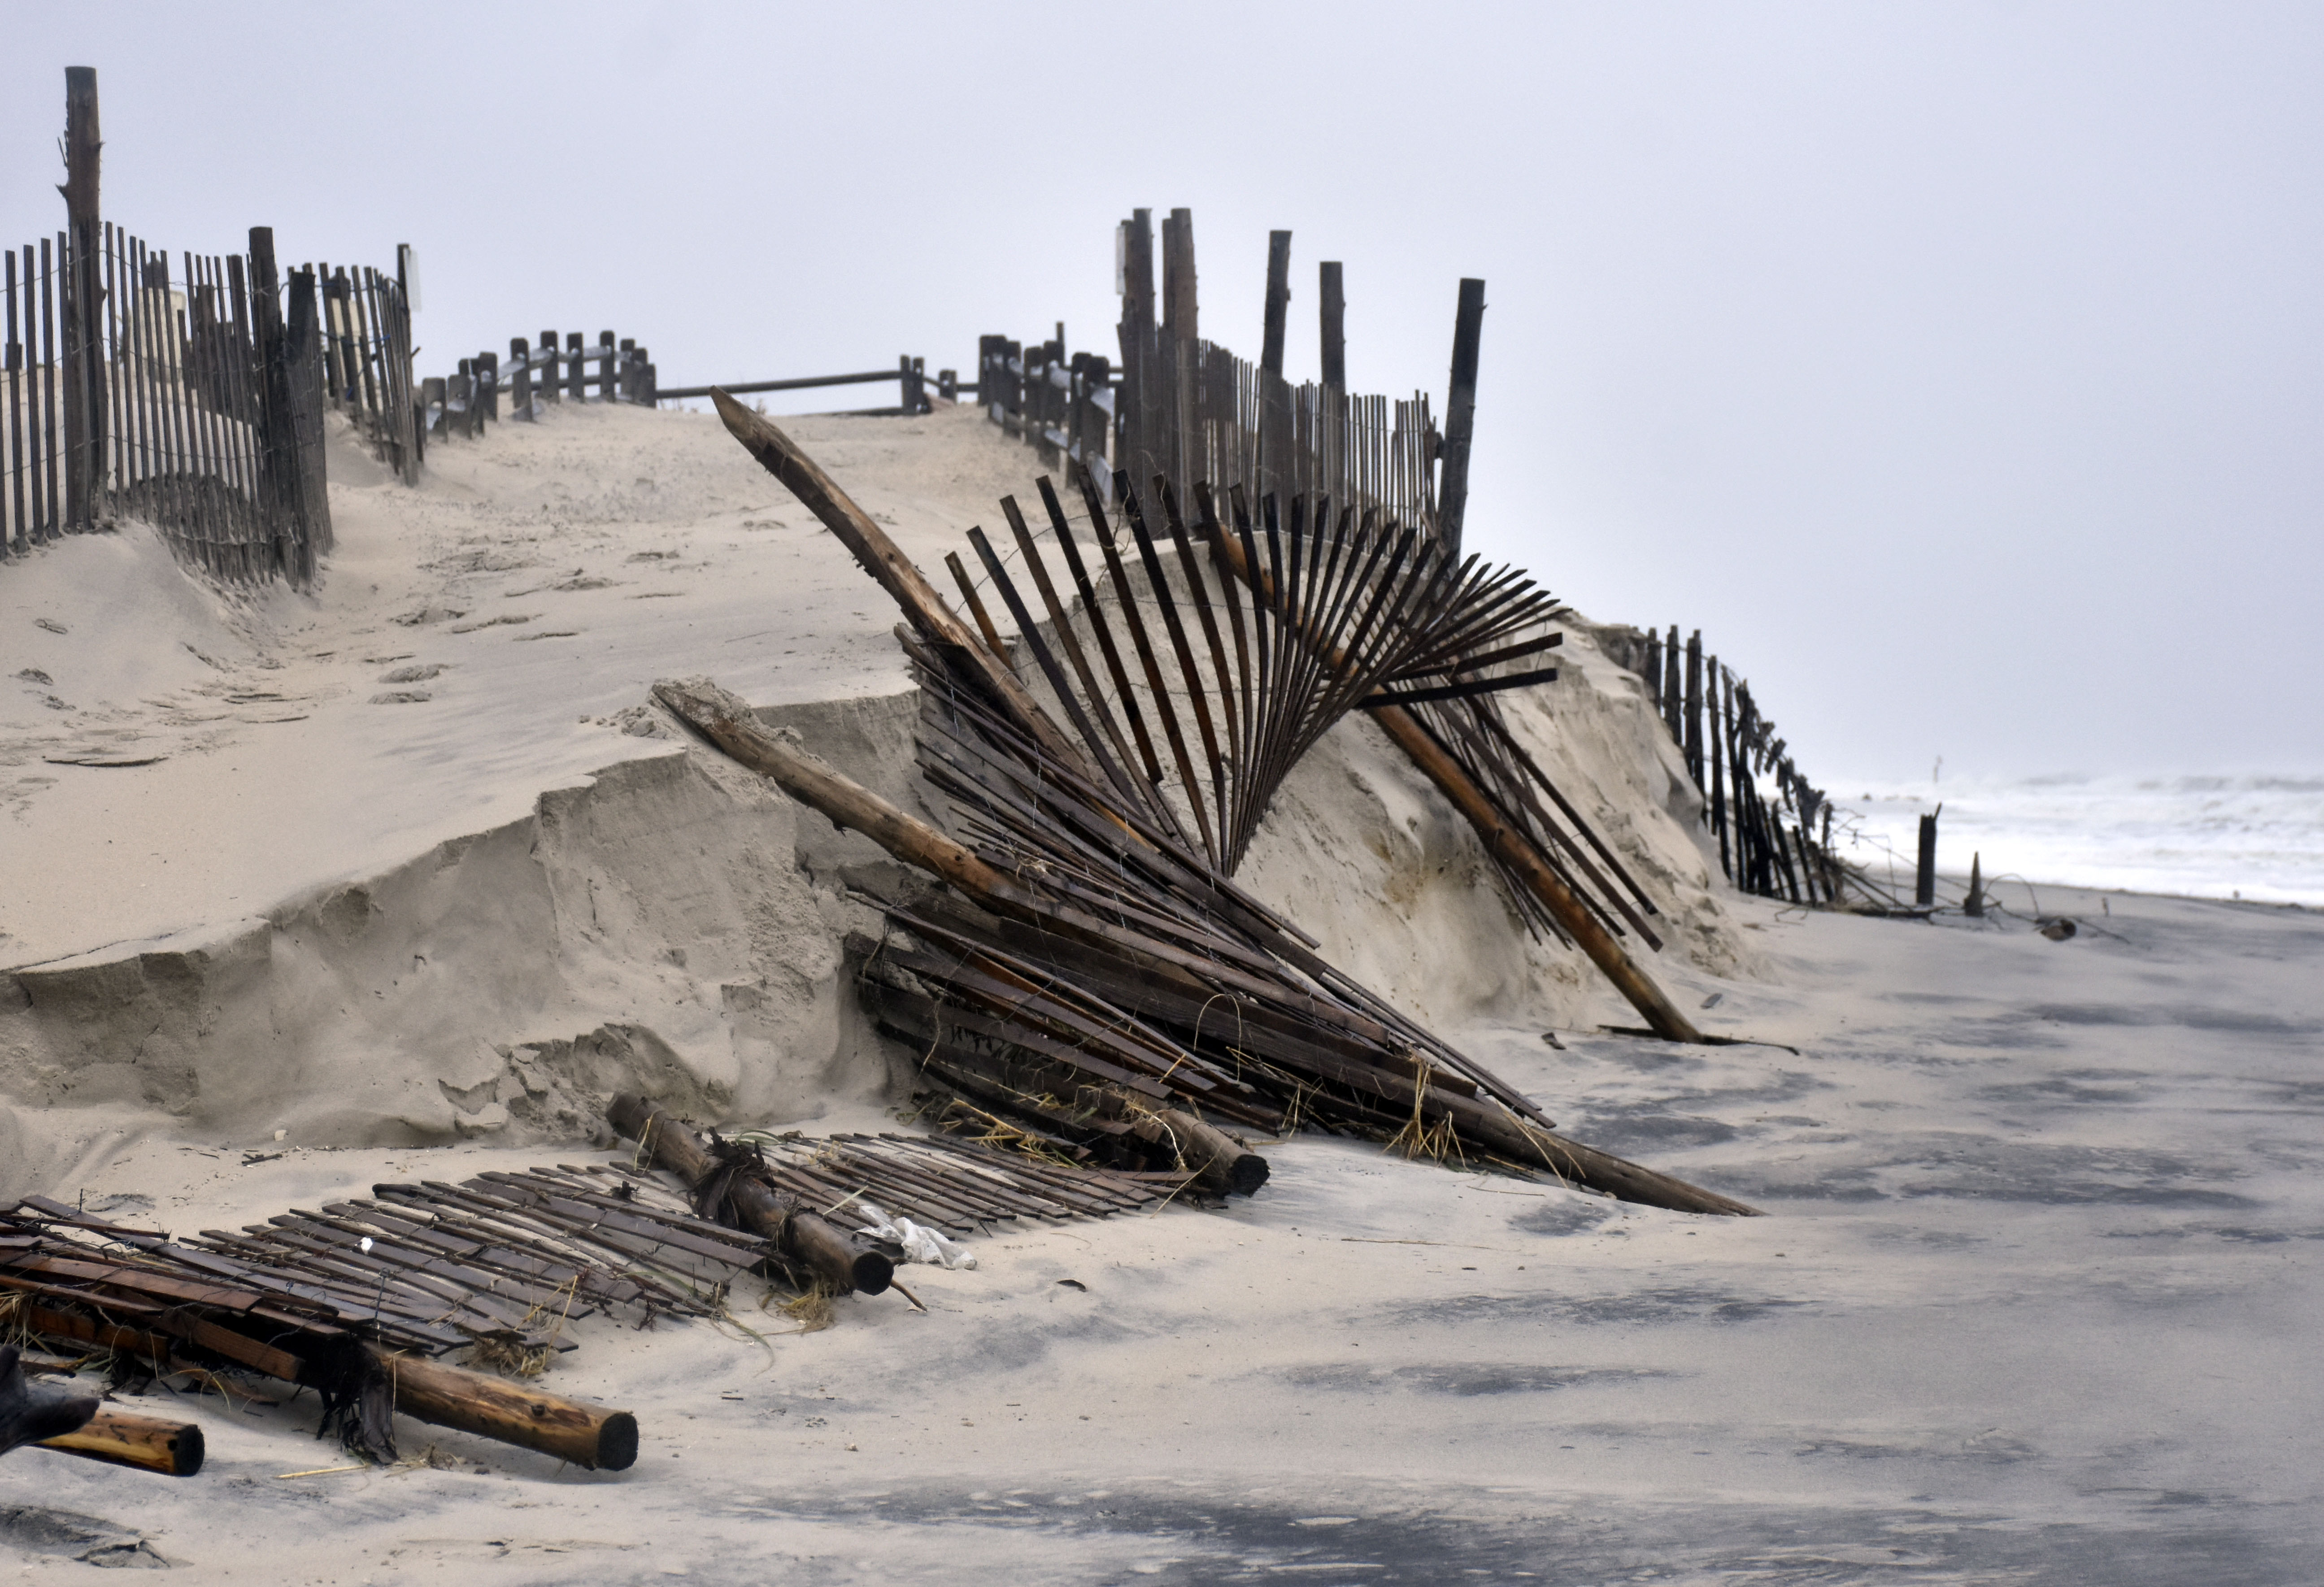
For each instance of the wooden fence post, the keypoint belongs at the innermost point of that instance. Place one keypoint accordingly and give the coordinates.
(520, 380)
(1278, 300)
(303, 364)
(908, 384)
(1459, 416)
(1925, 879)
(280, 497)
(1330, 289)
(605, 366)
(84, 369)
(552, 388)
(1692, 707)
(1674, 689)
(576, 368)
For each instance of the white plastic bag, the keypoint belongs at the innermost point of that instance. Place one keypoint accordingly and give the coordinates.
(920, 1242)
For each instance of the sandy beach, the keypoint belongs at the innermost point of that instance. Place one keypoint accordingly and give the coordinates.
(2029, 1304)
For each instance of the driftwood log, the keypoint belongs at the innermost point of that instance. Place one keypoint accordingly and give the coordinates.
(728, 723)
(842, 1261)
(33, 1413)
(146, 1444)
(508, 1412)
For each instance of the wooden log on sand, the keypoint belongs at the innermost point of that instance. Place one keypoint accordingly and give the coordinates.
(144, 1443)
(842, 1261)
(495, 1407)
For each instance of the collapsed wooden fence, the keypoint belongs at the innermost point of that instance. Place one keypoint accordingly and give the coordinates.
(1095, 980)
(361, 1298)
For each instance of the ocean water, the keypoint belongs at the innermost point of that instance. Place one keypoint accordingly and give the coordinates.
(2251, 837)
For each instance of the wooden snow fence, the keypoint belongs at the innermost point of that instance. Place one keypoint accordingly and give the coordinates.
(356, 1299)
(1774, 844)
(1092, 971)
(353, 1300)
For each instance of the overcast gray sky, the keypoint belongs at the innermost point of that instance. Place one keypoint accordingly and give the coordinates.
(1958, 369)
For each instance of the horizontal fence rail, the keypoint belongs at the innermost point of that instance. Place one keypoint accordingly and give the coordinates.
(910, 375)
(1062, 406)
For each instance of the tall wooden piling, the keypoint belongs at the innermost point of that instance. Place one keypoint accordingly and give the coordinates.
(1330, 289)
(1459, 415)
(1278, 300)
(1178, 295)
(84, 370)
(1925, 879)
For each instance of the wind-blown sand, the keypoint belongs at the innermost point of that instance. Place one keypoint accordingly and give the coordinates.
(2032, 1303)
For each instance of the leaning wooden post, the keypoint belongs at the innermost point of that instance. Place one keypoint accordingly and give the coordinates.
(1278, 300)
(302, 340)
(85, 402)
(893, 571)
(1334, 314)
(1459, 416)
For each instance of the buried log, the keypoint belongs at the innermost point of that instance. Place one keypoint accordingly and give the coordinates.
(146, 1444)
(841, 1261)
(493, 1407)
(31, 1413)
